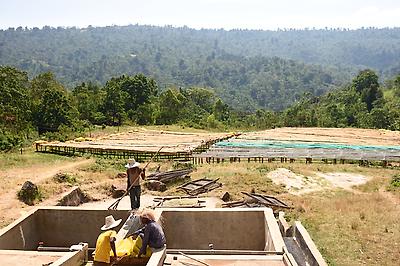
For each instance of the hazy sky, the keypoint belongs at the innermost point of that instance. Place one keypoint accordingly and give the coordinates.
(228, 14)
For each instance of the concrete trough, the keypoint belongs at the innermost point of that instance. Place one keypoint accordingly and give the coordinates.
(224, 235)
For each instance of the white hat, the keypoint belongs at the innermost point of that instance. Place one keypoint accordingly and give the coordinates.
(132, 163)
(110, 223)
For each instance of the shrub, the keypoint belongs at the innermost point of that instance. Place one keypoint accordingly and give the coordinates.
(65, 178)
(395, 183)
(9, 141)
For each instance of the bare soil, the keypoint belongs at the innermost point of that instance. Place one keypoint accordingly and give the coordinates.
(10, 207)
(297, 184)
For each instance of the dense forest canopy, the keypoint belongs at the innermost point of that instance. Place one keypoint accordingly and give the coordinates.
(42, 106)
(248, 69)
(57, 83)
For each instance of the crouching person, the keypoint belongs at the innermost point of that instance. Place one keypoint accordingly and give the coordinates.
(106, 242)
(151, 236)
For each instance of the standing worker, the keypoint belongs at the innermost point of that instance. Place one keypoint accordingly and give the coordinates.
(134, 173)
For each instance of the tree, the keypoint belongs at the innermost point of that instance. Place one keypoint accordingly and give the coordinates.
(366, 83)
(50, 103)
(171, 104)
(15, 108)
(203, 98)
(88, 99)
(221, 110)
(55, 110)
(113, 106)
(138, 90)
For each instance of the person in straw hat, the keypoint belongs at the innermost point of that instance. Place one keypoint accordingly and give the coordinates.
(106, 242)
(134, 173)
(152, 234)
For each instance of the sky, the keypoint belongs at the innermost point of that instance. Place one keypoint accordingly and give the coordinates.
(210, 14)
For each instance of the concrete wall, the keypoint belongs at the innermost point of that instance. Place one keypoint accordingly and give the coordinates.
(57, 227)
(311, 252)
(23, 234)
(273, 237)
(225, 228)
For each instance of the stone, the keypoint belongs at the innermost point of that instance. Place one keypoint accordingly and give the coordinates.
(226, 197)
(117, 192)
(73, 197)
(121, 175)
(155, 185)
(29, 193)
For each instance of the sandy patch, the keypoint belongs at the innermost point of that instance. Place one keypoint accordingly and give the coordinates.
(344, 180)
(299, 184)
(294, 183)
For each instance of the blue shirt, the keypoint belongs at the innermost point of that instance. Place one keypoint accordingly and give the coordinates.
(153, 236)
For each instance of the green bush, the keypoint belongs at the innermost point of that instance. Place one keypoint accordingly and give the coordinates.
(395, 182)
(183, 165)
(65, 178)
(9, 141)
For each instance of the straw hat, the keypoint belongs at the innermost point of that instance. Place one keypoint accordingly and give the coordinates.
(148, 214)
(110, 223)
(132, 163)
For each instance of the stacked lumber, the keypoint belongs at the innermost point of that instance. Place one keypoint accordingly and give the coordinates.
(169, 176)
(200, 186)
(257, 200)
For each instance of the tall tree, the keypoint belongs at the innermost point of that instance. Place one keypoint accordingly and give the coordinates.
(54, 110)
(113, 106)
(15, 108)
(88, 99)
(366, 83)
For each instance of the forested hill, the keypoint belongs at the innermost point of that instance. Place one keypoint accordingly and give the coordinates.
(242, 66)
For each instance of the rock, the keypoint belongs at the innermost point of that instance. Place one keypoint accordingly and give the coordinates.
(121, 175)
(155, 185)
(73, 197)
(117, 192)
(226, 197)
(29, 193)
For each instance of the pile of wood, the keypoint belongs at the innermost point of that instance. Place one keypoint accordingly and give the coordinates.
(257, 200)
(200, 186)
(157, 181)
(169, 176)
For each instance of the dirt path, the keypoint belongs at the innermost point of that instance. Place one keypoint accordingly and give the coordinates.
(10, 207)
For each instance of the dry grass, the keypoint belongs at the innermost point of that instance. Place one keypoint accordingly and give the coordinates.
(350, 228)
(239, 177)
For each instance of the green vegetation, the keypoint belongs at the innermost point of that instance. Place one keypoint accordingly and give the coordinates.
(66, 178)
(67, 82)
(395, 182)
(29, 158)
(42, 106)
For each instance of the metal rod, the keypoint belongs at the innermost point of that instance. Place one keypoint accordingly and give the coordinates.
(199, 261)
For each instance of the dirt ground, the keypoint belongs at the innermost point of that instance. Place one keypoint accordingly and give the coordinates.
(12, 179)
